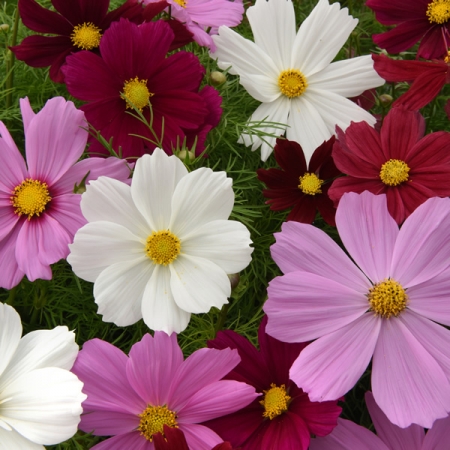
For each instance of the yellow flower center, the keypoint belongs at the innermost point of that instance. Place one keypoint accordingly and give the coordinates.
(86, 36)
(438, 11)
(136, 93)
(310, 184)
(182, 3)
(275, 401)
(394, 172)
(292, 83)
(387, 298)
(162, 247)
(30, 198)
(153, 420)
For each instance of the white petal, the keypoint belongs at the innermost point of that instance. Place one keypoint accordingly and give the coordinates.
(224, 242)
(44, 405)
(348, 78)
(320, 37)
(110, 200)
(10, 440)
(159, 310)
(199, 198)
(10, 332)
(119, 289)
(99, 245)
(198, 284)
(39, 349)
(154, 181)
(273, 27)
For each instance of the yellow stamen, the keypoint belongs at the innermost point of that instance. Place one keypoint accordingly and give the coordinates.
(153, 419)
(136, 93)
(394, 172)
(275, 401)
(447, 58)
(182, 3)
(387, 298)
(438, 11)
(162, 247)
(310, 184)
(30, 198)
(86, 36)
(292, 83)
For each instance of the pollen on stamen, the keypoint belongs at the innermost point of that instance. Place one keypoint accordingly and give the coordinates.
(387, 298)
(30, 198)
(136, 93)
(86, 36)
(153, 419)
(310, 184)
(438, 11)
(275, 401)
(163, 247)
(394, 172)
(292, 83)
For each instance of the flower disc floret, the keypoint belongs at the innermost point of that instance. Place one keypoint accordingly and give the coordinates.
(275, 401)
(153, 419)
(394, 172)
(86, 36)
(182, 3)
(438, 11)
(292, 83)
(136, 93)
(162, 247)
(310, 184)
(30, 198)
(387, 298)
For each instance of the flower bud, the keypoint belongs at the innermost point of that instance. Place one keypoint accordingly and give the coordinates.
(4, 27)
(183, 155)
(385, 99)
(217, 78)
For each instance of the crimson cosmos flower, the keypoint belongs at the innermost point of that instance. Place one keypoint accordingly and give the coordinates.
(427, 77)
(398, 162)
(416, 20)
(133, 69)
(283, 418)
(78, 25)
(298, 186)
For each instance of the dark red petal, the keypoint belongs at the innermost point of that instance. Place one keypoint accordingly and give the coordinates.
(351, 184)
(431, 150)
(42, 20)
(396, 11)
(182, 35)
(213, 102)
(151, 10)
(406, 199)
(326, 208)
(131, 10)
(290, 157)
(366, 100)
(223, 446)
(174, 440)
(304, 210)
(93, 10)
(278, 179)
(70, 10)
(433, 44)
(434, 178)
(321, 161)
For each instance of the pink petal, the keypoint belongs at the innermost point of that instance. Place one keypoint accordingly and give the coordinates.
(199, 437)
(395, 438)
(133, 440)
(368, 232)
(8, 219)
(304, 306)
(407, 383)
(27, 113)
(12, 168)
(65, 210)
(152, 366)
(10, 273)
(302, 247)
(331, 366)
(437, 437)
(108, 423)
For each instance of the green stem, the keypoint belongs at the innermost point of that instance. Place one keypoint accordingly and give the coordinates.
(11, 296)
(10, 62)
(221, 320)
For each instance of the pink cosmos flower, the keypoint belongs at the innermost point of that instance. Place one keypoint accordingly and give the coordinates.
(132, 398)
(386, 308)
(349, 436)
(39, 210)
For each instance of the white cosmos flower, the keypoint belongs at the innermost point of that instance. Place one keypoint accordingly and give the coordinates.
(161, 248)
(292, 74)
(40, 400)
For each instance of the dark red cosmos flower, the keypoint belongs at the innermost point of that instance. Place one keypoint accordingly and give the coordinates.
(416, 20)
(427, 78)
(133, 69)
(283, 418)
(78, 24)
(298, 186)
(398, 162)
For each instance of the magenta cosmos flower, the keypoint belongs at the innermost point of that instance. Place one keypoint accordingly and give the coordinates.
(77, 24)
(349, 436)
(387, 307)
(398, 161)
(419, 20)
(285, 417)
(132, 398)
(133, 70)
(39, 210)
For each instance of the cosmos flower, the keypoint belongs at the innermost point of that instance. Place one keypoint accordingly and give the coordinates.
(123, 77)
(349, 436)
(305, 188)
(164, 244)
(284, 418)
(77, 24)
(397, 161)
(420, 20)
(40, 400)
(292, 74)
(39, 200)
(132, 397)
(388, 306)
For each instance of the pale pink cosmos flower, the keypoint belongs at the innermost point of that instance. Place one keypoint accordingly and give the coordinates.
(39, 210)
(132, 397)
(349, 436)
(386, 308)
